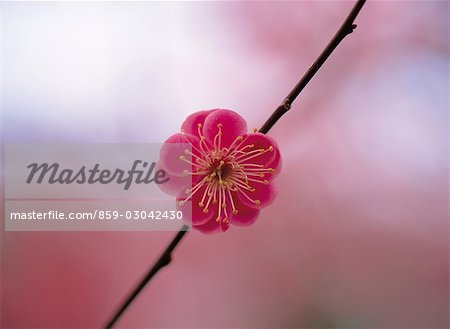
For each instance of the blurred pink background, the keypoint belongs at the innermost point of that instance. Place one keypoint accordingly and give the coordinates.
(358, 236)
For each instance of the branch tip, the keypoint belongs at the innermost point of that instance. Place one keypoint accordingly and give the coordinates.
(346, 28)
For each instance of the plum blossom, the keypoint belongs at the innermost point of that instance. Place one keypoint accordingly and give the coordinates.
(230, 171)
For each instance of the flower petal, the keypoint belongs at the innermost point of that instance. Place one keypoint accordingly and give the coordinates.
(210, 227)
(233, 125)
(263, 193)
(213, 226)
(190, 125)
(176, 183)
(245, 216)
(192, 213)
(171, 151)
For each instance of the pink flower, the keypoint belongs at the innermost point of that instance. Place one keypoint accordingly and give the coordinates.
(230, 171)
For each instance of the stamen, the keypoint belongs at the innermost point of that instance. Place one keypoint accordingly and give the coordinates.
(232, 202)
(260, 152)
(246, 153)
(197, 173)
(218, 138)
(225, 212)
(214, 194)
(265, 182)
(198, 159)
(201, 203)
(256, 174)
(251, 165)
(250, 199)
(241, 184)
(265, 170)
(199, 126)
(209, 201)
(237, 139)
(194, 189)
(220, 203)
(202, 152)
(183, 158)
(241, 151)
(203, 145)
(239, 174)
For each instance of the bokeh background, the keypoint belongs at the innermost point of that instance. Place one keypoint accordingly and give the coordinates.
(358, 236)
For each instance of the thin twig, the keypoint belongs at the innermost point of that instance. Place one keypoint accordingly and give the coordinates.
(346, 28)
(165, 259)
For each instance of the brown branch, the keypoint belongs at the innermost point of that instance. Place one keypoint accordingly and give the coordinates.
(164, 260)
(346, 28)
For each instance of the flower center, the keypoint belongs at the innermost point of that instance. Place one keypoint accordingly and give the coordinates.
(225, 172)
(221, 171)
